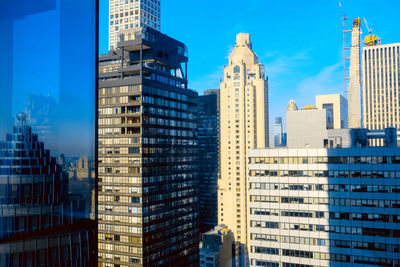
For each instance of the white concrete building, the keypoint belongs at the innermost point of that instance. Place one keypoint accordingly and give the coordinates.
(305, 127)
(381, 86)
(326, 206)
(308, 127)
(128, 16)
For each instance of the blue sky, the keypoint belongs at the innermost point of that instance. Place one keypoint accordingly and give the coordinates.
(300, 42)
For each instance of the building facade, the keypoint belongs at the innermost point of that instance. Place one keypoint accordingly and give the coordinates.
(325, 207)
(244, 125)
(207, 118)
(129, 16)
(306, 126)
(216, 248)
(309, 126)
(147, 203)
(381, 86)
(41, 224)
(279, 134)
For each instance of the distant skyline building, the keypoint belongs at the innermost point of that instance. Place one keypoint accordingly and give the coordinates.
(42, 115)
(354, 87)
(128, 16)
(279, 134)
(381, 86)
(207, 118)
(336, 107)
(41, 223)
(147, 194)
(216, 248)
(336, 206)
(244, 124)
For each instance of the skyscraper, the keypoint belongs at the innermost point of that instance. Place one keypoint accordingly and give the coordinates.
(244, 125)
(207, 118)
(147, 203)
(41, 222)
(355, 76)
(128, 16)
(381, 86)
(216, 247)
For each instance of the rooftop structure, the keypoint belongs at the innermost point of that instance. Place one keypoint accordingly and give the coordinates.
(324, 207)
(216, 248)
(336, 110)
(207, 118)
(309, 126)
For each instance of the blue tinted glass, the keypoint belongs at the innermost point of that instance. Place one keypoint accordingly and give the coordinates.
(48, 57)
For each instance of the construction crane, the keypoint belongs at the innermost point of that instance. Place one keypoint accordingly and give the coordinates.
(366, 24)
(370, 39)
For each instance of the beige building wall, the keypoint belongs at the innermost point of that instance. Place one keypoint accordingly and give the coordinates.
(340, 107)
(381, 87)
(355, 77)
(244, 125)
(306, 128)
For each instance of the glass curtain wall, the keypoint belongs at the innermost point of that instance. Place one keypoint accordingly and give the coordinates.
(48, 79)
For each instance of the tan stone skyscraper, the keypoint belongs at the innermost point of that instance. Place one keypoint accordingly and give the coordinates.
(129, 16)
(244, 125)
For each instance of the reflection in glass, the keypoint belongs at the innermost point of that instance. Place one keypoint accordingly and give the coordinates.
(47, 133)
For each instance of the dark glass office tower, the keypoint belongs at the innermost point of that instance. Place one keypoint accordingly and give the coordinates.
(147, 138)
(207, 118)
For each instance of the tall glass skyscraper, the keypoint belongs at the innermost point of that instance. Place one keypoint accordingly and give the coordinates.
(147, 138)
(47, 73)
(381, 87)
(207, 118)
